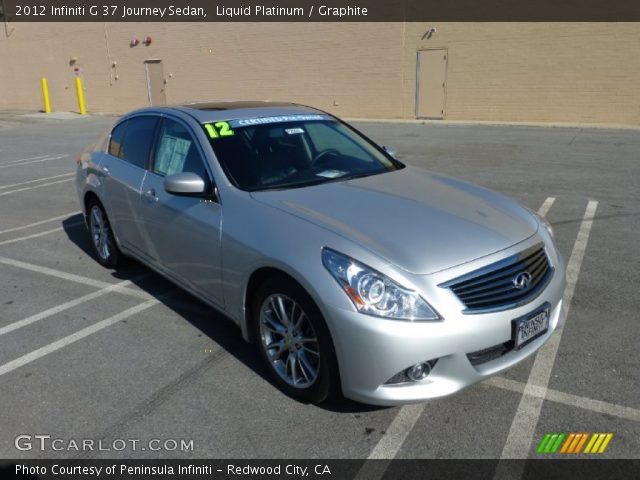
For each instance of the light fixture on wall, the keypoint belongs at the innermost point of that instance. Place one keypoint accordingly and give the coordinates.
(134, 42)
(430, 31)
(148, 40)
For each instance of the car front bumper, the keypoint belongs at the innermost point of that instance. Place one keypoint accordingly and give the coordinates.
(371, 350)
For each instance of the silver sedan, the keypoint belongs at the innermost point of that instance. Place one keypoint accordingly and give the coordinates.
(352, 272)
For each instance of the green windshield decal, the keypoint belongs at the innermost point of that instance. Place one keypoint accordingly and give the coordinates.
(246, 122)
(225, 129)
(218, 129)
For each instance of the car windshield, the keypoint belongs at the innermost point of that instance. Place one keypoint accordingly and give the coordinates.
(293, 151)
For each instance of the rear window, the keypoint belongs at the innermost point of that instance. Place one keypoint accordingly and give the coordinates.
(116, 139)
(138, 140)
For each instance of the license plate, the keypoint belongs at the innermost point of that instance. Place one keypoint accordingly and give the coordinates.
(531, 326)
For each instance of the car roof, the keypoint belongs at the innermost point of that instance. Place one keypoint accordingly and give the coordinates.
(230, 110)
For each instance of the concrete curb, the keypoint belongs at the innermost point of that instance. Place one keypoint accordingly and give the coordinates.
(604, 126)
(17, 114)
(55, 116)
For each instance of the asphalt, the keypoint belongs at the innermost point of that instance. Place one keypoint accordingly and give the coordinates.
(178, 370)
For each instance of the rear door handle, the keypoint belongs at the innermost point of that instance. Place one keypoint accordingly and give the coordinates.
(150, 195)
(106, 171)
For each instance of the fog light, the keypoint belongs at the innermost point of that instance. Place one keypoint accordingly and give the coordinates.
(413, 374)
(418, 371)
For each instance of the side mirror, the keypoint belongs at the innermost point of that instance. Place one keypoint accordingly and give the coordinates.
(186, 183)
(391, 151)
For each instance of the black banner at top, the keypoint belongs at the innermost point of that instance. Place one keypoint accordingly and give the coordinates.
(319, 10)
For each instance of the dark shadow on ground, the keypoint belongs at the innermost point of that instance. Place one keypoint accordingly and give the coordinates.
(219, 328)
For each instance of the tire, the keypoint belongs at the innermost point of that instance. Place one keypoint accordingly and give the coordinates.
(103, 241)
(291, 360)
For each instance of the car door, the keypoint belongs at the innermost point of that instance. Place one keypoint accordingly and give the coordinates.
(123, 170)
(182, 232)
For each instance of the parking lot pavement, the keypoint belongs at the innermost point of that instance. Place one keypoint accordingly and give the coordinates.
(90, 353)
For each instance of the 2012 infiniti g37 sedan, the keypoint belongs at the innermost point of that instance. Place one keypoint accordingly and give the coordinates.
(352, 272)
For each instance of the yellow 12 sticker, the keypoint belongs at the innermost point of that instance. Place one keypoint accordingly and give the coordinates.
(218, 129)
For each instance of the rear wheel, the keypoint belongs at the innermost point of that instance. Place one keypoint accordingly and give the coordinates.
(102, 239)
(294, 341)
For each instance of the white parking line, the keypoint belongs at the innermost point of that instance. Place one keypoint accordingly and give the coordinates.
(36, 180)
(546, 206)
(522, 429)
(65, 306)
(557, 396)
(32, 161)
(41, 234)
(36, 186)
(389, 445)
(24, 159)
(397, 432)
(68, 340)
(403, 423)
(35, 224)
(71, 277)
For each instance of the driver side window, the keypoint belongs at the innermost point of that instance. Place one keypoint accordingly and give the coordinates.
(177, 152)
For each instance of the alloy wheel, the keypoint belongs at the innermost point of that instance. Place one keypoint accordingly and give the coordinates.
(100, 233)
(289, 340)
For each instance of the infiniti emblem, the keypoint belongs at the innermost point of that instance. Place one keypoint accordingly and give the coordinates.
(522, 280)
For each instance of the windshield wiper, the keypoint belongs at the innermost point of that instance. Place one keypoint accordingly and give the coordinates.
(320, 181)
(287, 186)
(360, 175)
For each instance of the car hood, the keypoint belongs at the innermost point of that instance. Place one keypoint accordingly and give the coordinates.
(418, 221)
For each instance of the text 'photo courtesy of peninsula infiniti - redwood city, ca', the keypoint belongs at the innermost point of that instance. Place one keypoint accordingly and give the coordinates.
(353, 273)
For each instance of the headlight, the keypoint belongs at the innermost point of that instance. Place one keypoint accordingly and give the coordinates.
(373, 293)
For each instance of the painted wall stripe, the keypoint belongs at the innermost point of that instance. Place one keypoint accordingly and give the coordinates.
(572, 443)
(596, 446)
(575, 442)
(557, 444)
(606, 442)
(567, 443)
(543, 443)
(584, 439)
(590, 444)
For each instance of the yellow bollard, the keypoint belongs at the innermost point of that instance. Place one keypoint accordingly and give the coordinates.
(81, 105)
(45, 95)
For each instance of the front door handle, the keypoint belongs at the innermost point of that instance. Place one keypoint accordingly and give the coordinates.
(151, 195)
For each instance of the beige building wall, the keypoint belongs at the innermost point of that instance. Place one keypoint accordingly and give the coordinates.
(539, 72)
(530, 72)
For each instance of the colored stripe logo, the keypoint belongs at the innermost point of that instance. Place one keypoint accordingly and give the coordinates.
(573, 443)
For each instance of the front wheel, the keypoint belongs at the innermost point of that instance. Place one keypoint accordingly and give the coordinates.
(294, 341)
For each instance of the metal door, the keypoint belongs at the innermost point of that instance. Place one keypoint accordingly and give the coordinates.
(182, 233)
(431, 78)
(121, 184)
(155, 82)
(122, 172)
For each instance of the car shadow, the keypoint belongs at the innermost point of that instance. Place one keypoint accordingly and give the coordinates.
(215, 325)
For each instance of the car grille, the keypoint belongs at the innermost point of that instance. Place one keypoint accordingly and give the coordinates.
(494, 287)
(489, 354)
